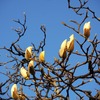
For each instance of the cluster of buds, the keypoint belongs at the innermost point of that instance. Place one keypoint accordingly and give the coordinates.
(28, 56)
(66, 46)
(26, 73)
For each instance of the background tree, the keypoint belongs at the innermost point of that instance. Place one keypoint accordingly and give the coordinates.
(29, 70)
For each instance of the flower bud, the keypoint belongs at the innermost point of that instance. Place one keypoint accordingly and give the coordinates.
(42, 56)
(24, 73)
(62, 51)
(14, 93)
(70, 43)
(86, 29)
(28, 52)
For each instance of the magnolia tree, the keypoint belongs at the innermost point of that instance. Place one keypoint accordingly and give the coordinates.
(30, 71)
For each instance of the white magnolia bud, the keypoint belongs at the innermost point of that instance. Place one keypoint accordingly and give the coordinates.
(42, 56)
(62, 51)
(24, 73)
(86, 29)
(70, 43)
(14, 93)
(28, 52)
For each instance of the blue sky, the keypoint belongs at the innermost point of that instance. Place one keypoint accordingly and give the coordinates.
(43, 12)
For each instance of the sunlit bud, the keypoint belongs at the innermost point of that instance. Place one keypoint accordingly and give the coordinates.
(31, 63)
(24, 73)
(28, 52)
(14, 93)
(63, 47)
(62, 53)
(70, 43)
(42, 56)
(31, 67)
(86, 29)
